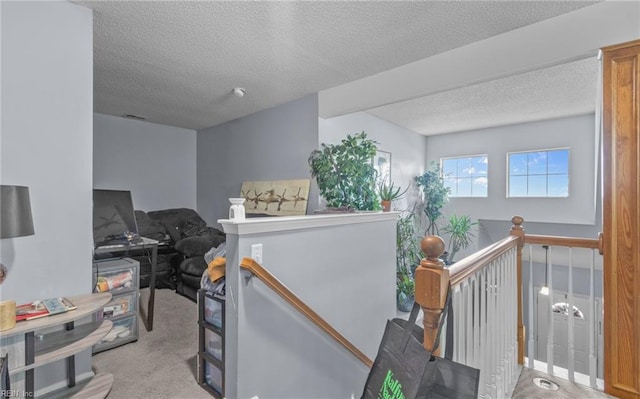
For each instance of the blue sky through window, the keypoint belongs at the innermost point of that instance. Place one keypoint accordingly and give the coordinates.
(539, 173)
(466, 176)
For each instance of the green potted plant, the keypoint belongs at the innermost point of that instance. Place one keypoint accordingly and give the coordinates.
(388, 193)
(345, 174)
(408, 256)
(460, 230)
(406, 292)
(436, 195)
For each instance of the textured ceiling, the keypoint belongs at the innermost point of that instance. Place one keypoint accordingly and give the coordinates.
(175, 63)
(562, 90)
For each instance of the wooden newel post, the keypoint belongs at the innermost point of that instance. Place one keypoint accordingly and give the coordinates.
(432, 280)
(518, 231)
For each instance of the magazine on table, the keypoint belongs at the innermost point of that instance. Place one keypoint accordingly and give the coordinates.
(45, 307)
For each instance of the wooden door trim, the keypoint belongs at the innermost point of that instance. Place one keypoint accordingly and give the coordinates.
(621, 218)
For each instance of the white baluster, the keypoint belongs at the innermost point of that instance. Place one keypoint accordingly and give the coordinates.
(550, 318)
(457, 322)
(484, 341)
(514, 323)
(507, 305)
(505, 299)
(490, 351)
(531, 350)
(463, 322)
(513, 297)
(469, 360)
(477, 356)
(501, 337)
(492, 325)
(593, 369)
(508, 289)
(497, 349)
(571, 353)
(465, 329)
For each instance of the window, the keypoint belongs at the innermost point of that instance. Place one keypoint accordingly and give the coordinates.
(538, 173)
(466, 176)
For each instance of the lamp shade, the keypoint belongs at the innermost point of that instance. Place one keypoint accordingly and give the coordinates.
(15, 216)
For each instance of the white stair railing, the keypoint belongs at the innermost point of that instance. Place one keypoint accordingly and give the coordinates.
(485, 319)
(488, 297)
(564, 252)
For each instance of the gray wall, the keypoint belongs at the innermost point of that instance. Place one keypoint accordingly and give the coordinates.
(157, 163)
(273, 144)
(578, 215)
(47, 106)
(577, 132)
(408, 149)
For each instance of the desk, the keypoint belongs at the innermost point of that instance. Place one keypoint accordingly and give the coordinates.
(146, 243)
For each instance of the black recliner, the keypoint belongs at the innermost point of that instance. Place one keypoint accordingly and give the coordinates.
(191, 238)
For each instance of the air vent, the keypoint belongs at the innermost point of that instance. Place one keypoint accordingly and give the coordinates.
(137, 117)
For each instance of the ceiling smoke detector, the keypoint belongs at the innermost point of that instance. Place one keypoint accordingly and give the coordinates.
(238, 92)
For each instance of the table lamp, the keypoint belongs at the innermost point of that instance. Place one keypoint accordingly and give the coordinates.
(15, 216)
(15, 221)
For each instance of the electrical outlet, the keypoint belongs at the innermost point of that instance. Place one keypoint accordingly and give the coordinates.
(256, 252)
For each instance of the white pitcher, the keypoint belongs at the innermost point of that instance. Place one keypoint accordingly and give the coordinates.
(236, 211)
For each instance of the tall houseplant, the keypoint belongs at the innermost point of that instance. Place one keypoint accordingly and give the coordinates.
(436, 195)
(460, 230)
(345, 174)
(407, 259)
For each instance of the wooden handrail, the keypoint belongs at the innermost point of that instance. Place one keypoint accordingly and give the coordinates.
(432, 278)
(562, 241)
(462, 269)
(272, 282)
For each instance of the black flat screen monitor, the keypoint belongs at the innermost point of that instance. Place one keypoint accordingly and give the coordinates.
(113, 216)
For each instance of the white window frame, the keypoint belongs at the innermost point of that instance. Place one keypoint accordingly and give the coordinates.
(465, 157)
(508, 173)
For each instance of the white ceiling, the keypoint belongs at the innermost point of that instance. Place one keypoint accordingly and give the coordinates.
(176, 63)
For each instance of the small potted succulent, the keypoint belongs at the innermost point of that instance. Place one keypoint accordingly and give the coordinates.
(389, 192)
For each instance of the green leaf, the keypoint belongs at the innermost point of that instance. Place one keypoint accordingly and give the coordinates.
(345, 174)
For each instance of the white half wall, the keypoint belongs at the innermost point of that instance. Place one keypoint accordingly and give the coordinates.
(46, 144)
(340, 265)
(157, 163)
(407, 148)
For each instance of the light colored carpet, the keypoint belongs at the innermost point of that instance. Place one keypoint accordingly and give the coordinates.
(162, 363)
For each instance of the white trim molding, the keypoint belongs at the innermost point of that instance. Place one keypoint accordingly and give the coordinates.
(284, 223)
